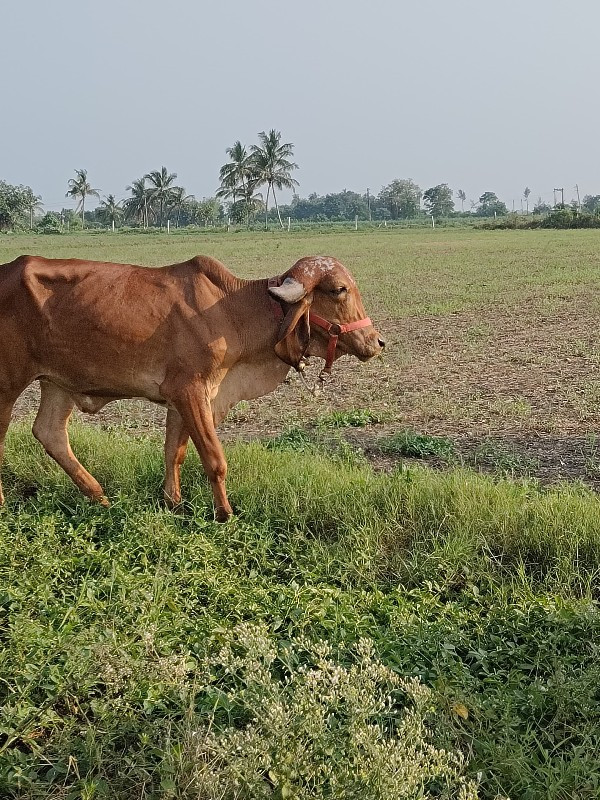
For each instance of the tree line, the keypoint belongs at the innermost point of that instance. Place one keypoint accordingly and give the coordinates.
(248, 184)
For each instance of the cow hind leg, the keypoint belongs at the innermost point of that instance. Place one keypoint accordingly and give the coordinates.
(6, 407)
(50, 429)
(176, 443)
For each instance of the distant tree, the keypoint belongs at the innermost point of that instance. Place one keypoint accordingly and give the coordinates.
(236, 173)
(178, 200)
(402, 198)
(489, 204)
(526, 193)
(251, 201)
(50, 223)
(271, 165)
(70, 219)
(109, 211)
(136, 206)
(15, 202)
(462, 197)
(591, 203)
(438, 200)
(541, 207)
(207, 211)
(161, 190)
(34, 204)
(79, 187)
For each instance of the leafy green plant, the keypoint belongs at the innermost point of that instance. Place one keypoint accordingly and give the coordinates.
(354, 418)
(416, 445)
(292, 439)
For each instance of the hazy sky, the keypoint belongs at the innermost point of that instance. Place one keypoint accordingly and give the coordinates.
(482, 96)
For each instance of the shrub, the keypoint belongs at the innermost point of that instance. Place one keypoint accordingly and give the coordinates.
(49, 223)
(308, 726)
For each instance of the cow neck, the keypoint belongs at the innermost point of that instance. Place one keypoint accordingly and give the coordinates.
(261, 325)
(275, 304)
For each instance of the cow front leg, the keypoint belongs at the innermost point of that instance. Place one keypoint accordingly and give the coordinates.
(193, 405)
(50, 429)
(176, 443)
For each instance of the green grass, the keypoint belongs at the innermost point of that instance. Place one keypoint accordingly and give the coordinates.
(483, 589)
(401, 272)
(415, 445)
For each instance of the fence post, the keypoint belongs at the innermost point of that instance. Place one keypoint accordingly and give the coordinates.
(356, 222)
(289, 222)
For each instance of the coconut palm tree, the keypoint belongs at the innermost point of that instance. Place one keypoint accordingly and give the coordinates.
(79, 187)
(110, 211)
(136, 206)
(33, 203)
(251, 199)
(236, 173)
(271, 165)
(178, 200)
(161, 189)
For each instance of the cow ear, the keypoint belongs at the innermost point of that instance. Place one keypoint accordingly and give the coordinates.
(290, 291)
(294, 334)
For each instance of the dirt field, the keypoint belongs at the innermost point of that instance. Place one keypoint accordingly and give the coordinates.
(492, 342)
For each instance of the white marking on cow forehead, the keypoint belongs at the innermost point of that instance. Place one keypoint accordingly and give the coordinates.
(323, 264)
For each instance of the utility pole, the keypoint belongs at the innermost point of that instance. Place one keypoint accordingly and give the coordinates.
(578, 200)
(562, 196)
(369, 203)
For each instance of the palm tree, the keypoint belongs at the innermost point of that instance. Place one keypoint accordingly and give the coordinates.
(110, 210)
(161, 189)
(252, 200)
(526, 193)
(236, 173)
(462, 197)
(136, 206)
(79, 187)
(178, 200)
(271, 165)
(33, 204)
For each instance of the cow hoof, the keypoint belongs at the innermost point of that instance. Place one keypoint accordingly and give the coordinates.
(223, 514)
(171, 502)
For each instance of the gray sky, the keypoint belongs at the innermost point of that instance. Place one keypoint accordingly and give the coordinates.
(482, 96)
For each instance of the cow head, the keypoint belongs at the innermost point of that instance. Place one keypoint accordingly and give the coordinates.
(323, 286)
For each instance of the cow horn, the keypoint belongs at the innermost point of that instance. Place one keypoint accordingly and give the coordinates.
(290, 291)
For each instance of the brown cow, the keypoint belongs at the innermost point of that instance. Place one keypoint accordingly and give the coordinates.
(190, 336)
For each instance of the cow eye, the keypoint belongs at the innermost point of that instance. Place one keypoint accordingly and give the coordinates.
(339, 290)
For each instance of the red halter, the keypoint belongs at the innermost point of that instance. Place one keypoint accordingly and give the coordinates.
(334, 329)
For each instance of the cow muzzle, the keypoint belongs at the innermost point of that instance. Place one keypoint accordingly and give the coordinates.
(370, 345)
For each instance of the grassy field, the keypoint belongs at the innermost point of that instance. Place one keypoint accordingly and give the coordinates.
(155, 654)
(492, 337)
